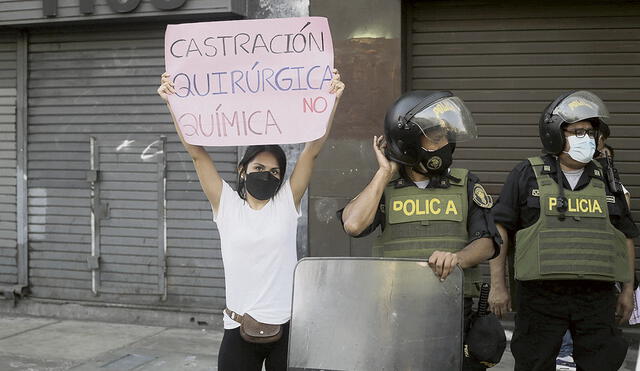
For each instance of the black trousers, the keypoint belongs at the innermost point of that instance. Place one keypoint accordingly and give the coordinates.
(546, 309)
(238, 355)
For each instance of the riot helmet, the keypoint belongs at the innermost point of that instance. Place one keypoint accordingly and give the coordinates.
(434, 114)
(569, 108)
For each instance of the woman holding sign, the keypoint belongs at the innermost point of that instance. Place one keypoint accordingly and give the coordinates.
(257, 225)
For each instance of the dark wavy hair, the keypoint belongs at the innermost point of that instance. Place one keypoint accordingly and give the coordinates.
(250, 154)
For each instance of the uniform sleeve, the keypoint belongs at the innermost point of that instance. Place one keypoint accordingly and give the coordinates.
(480, 222)
(620, 216)
(378, 220)
(506, 211)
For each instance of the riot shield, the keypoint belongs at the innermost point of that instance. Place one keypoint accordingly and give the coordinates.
(374, 314)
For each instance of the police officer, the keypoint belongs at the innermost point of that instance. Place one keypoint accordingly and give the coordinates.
(572, 242)
(431, 211)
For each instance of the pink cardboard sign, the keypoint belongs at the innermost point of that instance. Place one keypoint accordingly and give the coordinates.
(252, 81)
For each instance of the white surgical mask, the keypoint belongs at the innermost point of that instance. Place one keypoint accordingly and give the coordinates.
(581, 149)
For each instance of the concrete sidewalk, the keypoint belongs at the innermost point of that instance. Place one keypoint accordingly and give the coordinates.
(43, 344)
(39, 344)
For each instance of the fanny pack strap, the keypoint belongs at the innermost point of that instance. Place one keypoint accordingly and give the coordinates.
(233, 315)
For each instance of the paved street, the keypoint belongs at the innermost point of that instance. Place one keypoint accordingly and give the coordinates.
(42, 344)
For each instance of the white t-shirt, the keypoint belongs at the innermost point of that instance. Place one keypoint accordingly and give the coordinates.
(259, 255)
(573, 176)
(422, 184)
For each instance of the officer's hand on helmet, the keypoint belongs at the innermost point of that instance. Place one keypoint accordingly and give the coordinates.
(166, 87)
(499, 300)
(386, 165)
(624, 307)
(442, 263)
(336, 86)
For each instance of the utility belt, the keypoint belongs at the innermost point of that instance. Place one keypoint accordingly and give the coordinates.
(254, 331)
(568, 287)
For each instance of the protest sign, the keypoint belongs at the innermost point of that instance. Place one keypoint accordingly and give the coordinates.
(252, 81)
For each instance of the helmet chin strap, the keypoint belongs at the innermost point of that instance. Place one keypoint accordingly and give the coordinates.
(419, 168)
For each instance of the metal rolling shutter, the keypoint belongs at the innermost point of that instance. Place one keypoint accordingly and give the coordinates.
(509, 60)
(8, 228)
(101, 82)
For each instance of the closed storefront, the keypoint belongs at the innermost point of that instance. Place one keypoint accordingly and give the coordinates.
(508, 60)
(115, 211)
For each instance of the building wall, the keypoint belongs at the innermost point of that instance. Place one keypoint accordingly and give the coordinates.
(367, 41)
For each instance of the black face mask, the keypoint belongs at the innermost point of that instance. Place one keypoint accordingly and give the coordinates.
(262, 185)
(436, 162)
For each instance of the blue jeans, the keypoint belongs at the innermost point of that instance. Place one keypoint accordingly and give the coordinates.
(567, 345)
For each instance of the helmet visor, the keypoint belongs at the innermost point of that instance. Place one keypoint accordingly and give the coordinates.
(579, 106)
(446, 118)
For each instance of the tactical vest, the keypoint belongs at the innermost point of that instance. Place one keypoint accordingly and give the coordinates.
(421, 221)
(583, 246)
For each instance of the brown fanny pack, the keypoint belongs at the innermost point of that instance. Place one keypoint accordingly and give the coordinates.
(254, 331)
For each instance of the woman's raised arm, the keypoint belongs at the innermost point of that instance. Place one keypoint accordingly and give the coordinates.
(304, 167)
(210, 179)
